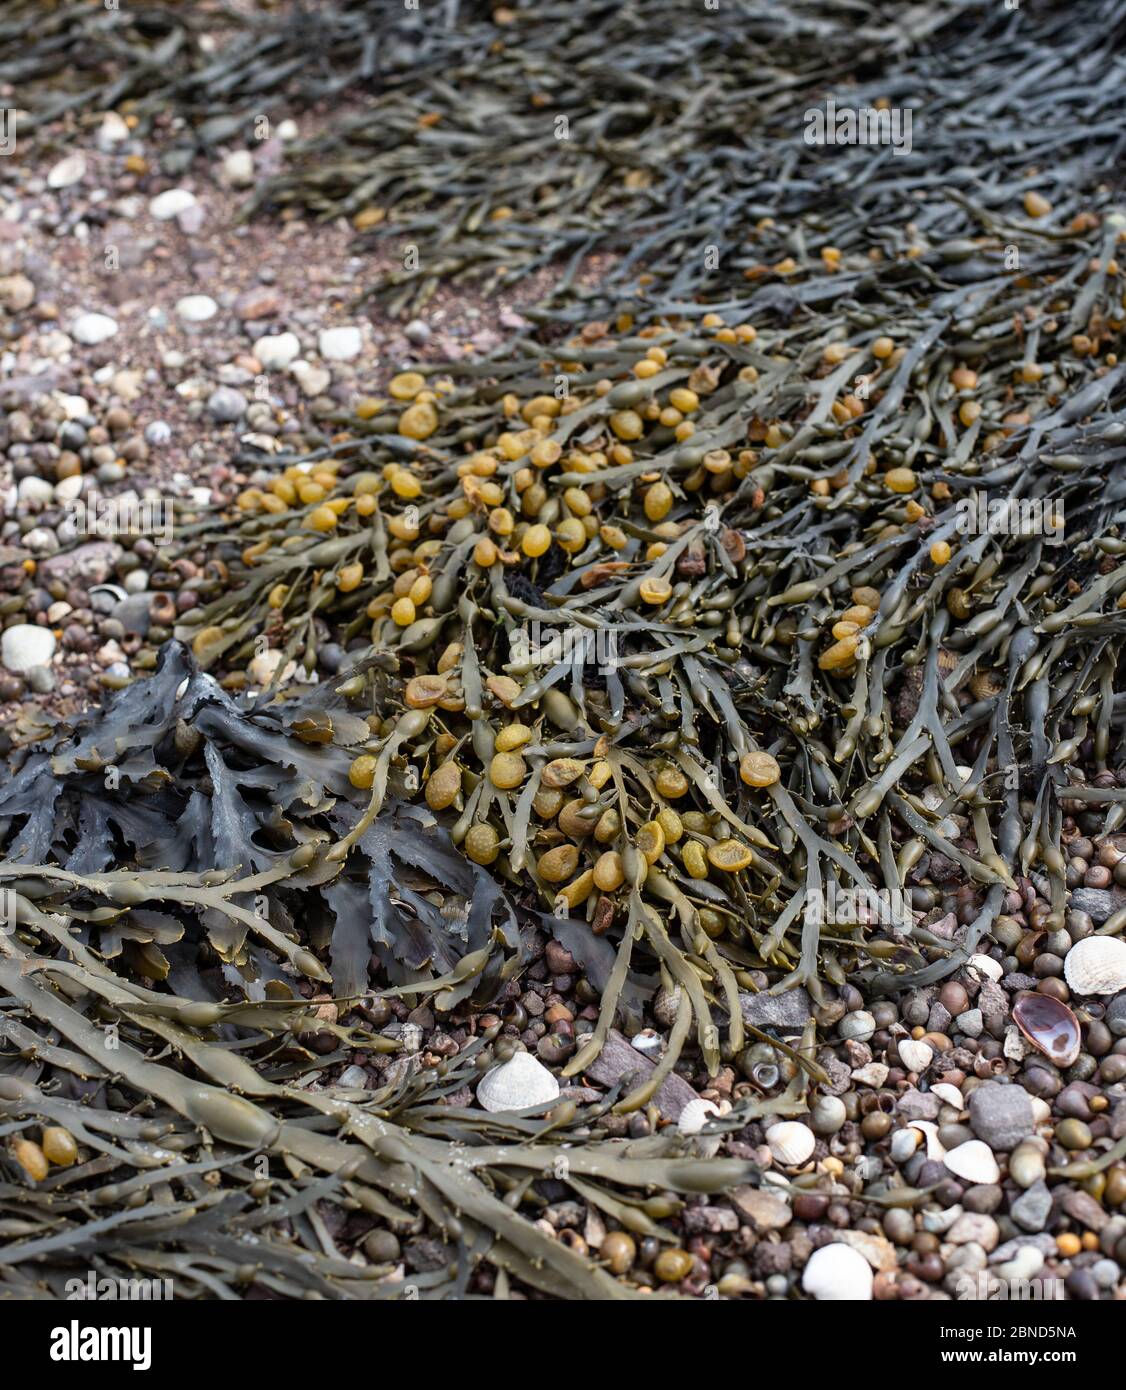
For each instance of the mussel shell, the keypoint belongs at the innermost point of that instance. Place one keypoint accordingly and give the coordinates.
(1049, 1026)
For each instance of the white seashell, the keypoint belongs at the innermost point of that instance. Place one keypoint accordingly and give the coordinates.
(791, 1143)
(929, 1130)
(695, 1115)
(837, 1272)
(949, 1095)
(985, 965)
(940, 1219)
(25, 646)
(1041, 1111)
(915, 1056)
(1096, 965)
(973, 1161)
(68, 170)
(520, 1082)
(115, 590)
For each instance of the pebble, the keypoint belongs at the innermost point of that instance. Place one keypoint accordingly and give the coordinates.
(226, 405)
(764, 1210)
(353, 1078)
(973, 1228)
(970, 1022)
(835, 1273)
(171, 203)
(37, 490)
(88, 564)
(786, 1013)
(1031, 1209)
(158, 433)
(17, 293)
(340, 344)
(859, 1025)
(25, 646)
(1025, 1264)
(1000, 1114)
(904, 1142)
(520, 1082)
(314, 381)
(238, 169)
(277, 351)
(196, 308)
(417, 333)
(91, 329)
(918, 1105)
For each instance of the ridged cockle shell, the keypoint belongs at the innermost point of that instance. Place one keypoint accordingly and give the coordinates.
(791, 1143)
(1096, 965)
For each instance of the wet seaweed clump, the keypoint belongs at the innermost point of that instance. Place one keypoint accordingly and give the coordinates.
(175, 1098)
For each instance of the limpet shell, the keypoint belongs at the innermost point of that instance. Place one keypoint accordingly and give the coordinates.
(949, 1095)
(791, 1143)
(973, 1161)
(929, 1130)
(837, 1272)
(916, 1056)
(1096, 965)
(985, 965)
(520, 1082)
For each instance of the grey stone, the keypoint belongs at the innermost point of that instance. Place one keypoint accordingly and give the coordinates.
(158, 433)
(88, 564)
(918, 1105)
(992, 1000)
(1001, 1114)
(133, 613)
(1031, 1209)
(971, 1023)
(1043, 1242)
(786, 1013)
(226, 405)
(1097, 903)
(1115, 1016)
(939, 1019)
(618, 1061)
(1082, 1207)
